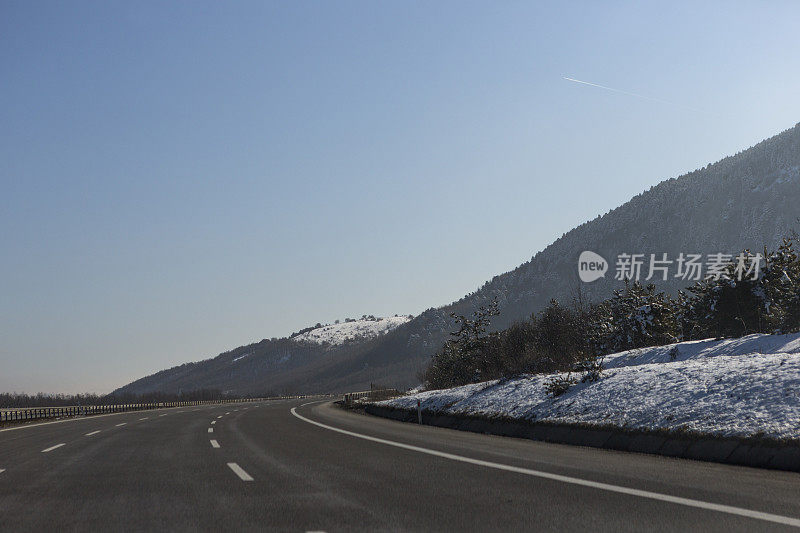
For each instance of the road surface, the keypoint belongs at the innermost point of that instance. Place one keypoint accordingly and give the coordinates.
(291, 466)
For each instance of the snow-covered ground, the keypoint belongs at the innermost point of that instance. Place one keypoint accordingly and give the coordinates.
(734, 387)
(360, 329)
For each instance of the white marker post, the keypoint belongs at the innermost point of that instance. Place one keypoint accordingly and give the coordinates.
(419, 413)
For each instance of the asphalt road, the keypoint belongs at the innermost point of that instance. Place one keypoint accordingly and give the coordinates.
(263, 467)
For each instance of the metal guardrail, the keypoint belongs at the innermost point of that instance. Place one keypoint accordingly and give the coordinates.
(37, 413)
(374, 394)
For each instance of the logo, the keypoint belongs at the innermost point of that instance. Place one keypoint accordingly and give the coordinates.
(591, 266)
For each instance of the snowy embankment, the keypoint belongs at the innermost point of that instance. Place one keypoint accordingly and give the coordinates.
(336, 334)
(747, 387)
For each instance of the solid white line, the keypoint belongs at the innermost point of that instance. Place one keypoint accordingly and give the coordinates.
(93, 433)
(244, 476)
(120, 425)
(214, 444)
(768, 517)
(51, 448)
(211, 430)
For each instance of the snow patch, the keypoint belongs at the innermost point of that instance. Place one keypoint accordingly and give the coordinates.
(733, 387)
(336, 334)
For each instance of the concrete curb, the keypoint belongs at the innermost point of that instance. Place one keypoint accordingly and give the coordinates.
(745, 452)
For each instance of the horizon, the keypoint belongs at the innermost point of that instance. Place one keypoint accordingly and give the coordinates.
(181, 182)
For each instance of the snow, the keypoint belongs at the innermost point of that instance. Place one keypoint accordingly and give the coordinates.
(336, 334)
(733, 387)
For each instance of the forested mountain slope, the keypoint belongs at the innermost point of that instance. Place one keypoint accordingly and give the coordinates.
(749, 200)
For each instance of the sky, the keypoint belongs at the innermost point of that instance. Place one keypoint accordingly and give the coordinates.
(181, 178)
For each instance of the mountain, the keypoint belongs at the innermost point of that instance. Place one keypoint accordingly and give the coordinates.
(318, 355)
(749, 200)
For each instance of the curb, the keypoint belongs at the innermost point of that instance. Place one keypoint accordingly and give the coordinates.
(758, 453)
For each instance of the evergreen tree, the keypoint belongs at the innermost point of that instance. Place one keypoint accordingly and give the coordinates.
(731, 306)
(464, 358)
(640, 317)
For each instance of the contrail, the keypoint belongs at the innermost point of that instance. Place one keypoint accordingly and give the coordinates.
(634, 94)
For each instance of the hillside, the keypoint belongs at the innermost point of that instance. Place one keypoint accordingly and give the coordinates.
(314, 359)
(748, 200)
(742, 387)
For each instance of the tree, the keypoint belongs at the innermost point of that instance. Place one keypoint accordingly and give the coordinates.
(464, 357)
(640, 317)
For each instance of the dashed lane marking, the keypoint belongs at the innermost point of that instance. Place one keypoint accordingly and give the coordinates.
(211, 430)
(51, 448)
(122, 424)
(244, 476)
(93, 433)
(214, 444)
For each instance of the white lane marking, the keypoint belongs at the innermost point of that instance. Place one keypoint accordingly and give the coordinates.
(122, 424)
(51, 448)
(2, 470)
(165, 414)
(211, 430)
(145, 418)
(244, 476)
(213, 422)
(93, 433)
(228, 413)
(739, 511)
(220, 416)
(214, 444)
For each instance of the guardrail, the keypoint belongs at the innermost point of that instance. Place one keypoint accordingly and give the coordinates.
(375, 394)
(37, 413)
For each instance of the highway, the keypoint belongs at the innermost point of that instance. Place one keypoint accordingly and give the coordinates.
(290, 465)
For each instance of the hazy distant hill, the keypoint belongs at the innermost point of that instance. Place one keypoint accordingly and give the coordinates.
(748, 200)
(316, 355)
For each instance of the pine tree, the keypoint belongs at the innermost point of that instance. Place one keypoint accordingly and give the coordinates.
(464, 357)
(640, 317)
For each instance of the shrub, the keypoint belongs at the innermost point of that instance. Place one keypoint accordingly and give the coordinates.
(559, 384)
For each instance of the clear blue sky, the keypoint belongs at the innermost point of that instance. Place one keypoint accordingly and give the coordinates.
(181, 178)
